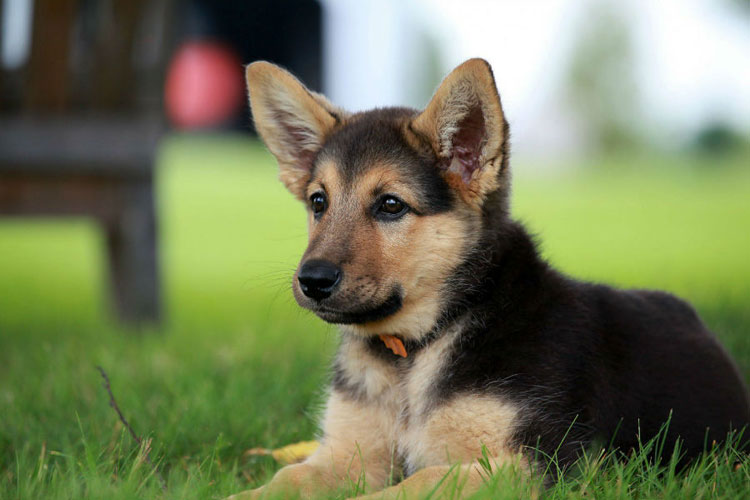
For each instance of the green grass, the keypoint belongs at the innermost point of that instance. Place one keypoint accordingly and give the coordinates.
(238, 365)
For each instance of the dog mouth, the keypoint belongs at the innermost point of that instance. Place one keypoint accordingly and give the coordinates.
(362, 314)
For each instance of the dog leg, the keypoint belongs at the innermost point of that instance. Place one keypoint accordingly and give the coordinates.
(357, 448)
(293, 481)
(437, 480)
(326, 471)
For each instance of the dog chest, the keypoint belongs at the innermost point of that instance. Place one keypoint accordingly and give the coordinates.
(423, 427)
(443, 429)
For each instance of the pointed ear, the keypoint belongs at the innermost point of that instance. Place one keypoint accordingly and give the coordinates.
(465, 125)
(292, 120)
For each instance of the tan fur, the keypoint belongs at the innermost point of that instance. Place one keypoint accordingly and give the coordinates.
(452, 432)
(357, 439)
(293, 481)
(427, 365)
(422, 253)
(469, 85)
(379, 378)
(357, 447)
(457, 431)
(292, 120)
(397, 418)
(436, 481)
(418, 252)
(327, 178)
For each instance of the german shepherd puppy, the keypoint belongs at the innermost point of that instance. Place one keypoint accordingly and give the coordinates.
(455, 334)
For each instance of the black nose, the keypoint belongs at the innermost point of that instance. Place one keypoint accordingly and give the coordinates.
(318, 278)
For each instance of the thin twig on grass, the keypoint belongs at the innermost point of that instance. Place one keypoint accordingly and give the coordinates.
(147, 448)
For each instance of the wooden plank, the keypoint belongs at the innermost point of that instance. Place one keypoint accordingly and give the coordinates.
(79, 144)
(24, 195)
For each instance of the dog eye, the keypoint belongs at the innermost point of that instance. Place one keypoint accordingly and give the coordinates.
(318, 203)
(391, 207)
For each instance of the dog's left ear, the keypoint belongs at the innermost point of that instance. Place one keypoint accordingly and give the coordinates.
(466, 128)
(292, 120)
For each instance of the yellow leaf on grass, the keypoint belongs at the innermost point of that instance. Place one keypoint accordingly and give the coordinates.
(293, 453)
(289, 454)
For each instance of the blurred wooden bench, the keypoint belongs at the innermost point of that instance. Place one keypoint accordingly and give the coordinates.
(79, 125)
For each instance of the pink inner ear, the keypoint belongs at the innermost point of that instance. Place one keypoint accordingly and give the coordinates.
(297, 140)
(467, 144)
(304, 155)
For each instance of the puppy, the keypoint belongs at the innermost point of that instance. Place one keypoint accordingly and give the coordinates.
(456, 337)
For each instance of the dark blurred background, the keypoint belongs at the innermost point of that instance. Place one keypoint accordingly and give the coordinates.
(89, 87)
(92, 91)
(94, 56)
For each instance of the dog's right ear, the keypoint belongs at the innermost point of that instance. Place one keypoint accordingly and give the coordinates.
(465, 125)
(292, 120)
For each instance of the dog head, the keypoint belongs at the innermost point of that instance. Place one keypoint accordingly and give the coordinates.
(397, 199)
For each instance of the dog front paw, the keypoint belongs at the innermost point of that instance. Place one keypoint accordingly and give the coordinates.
(247, 495)
(293, 481)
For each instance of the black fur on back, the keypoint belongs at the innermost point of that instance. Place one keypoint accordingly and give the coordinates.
(587, 361)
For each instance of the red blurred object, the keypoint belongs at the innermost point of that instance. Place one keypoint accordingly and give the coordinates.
(204, 86)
